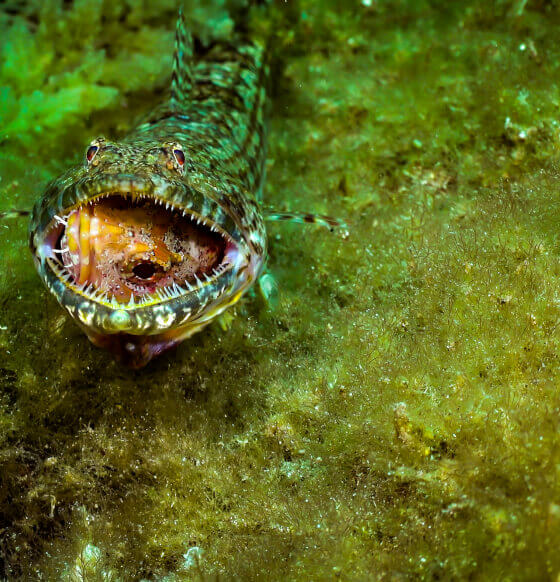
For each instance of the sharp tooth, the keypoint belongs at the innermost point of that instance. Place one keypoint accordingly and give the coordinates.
(189, 286)
(131, 302)
(60, 220)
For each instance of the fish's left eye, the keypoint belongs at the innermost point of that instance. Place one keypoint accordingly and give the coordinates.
(179, 156)
(91, 151)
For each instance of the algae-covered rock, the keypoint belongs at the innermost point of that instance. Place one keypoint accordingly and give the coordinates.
(395, 416)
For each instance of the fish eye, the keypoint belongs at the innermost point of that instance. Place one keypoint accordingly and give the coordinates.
(90, 153)
(179, 156)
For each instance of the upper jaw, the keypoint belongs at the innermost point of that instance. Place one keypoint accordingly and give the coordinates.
(66, 193)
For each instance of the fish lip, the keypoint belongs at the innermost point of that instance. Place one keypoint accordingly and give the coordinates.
(91, 188)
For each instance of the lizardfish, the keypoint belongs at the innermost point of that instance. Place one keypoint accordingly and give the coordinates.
(149, 239)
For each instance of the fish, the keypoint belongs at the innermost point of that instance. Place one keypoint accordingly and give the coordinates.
(148, 239)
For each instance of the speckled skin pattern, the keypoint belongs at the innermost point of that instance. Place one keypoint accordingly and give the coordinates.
(216, 116)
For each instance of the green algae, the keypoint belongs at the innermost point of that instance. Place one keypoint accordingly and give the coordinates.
(396, 415)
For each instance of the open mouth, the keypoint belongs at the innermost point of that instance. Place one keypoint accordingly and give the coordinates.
(126, 250)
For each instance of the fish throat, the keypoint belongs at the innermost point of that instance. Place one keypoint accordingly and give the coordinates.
(127, 249)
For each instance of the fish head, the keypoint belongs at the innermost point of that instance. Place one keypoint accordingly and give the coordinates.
(142, 248)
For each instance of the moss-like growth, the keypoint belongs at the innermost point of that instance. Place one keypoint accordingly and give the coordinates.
(396, 415)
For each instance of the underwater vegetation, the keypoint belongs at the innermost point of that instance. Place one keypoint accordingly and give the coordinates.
(396, 415)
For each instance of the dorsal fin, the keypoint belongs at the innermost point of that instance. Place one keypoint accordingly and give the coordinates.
(183, 63)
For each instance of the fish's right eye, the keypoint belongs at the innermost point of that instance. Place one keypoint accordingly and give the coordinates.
(91, 152)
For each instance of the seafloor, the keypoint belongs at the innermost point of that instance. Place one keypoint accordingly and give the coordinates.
(396, 416)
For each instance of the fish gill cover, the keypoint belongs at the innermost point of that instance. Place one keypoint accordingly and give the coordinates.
(396, 414)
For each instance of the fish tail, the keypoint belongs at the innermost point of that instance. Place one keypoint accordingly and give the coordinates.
(183, 63)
